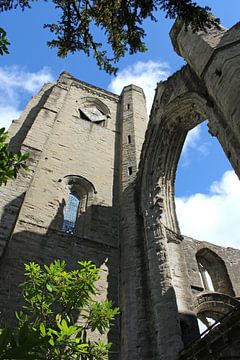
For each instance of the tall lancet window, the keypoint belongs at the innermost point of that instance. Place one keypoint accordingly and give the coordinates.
(70, 213)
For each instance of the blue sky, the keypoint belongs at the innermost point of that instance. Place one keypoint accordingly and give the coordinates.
(207, 191)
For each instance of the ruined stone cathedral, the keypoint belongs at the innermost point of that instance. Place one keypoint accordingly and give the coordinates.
(101, 187)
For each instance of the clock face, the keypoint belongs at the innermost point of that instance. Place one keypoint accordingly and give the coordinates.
(93, 114)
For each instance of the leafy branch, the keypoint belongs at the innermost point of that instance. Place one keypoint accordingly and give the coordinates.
(60, 312)
(10, 163)
(4, 42)
(121, 21)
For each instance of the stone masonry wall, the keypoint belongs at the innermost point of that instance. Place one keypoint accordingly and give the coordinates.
(61, 143)
(230, 257)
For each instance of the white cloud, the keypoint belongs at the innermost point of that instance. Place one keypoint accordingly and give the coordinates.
(192, 139)
(143, 74)
(213, 217)
(15, 83)
(7, 115)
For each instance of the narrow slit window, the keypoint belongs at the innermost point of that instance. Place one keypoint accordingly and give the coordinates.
(70, 213)
(129, 139)
(128, 106)
(130, 170)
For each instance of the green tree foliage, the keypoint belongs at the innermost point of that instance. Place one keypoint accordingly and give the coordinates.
(47, 327)
(3, 42)
(10, 163)
(120, 20)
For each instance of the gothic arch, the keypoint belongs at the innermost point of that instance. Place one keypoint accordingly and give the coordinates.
(216, 268)
(214, 305)
(81, 184)
(180, 104)
(93, 109)
(79, 191)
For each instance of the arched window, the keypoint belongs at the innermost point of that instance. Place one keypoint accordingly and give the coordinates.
(70, 213)
(212, 307)
(94, 110)
(213, 272)
(78, 194)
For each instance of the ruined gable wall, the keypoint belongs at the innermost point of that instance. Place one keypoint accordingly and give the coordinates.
(230, 257)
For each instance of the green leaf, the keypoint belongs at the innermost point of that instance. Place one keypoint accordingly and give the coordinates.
(42, 329)
(51, 341)
(49, 287)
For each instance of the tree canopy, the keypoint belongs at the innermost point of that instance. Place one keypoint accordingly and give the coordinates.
(120, 20)
(59, 315)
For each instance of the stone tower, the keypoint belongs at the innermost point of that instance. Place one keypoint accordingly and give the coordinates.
(84, 145)
(101, 187)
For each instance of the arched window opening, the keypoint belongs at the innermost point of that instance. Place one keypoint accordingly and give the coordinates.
(78, 195)
(93, 114)
(70, 213)
(94, 110)
(213, 272)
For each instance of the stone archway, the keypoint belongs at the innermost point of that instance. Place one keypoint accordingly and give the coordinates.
(214, 305)
(180, 104)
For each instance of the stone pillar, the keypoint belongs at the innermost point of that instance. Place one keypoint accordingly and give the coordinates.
(135, 338)
(165, 326)
(134, 124)
(182, 288)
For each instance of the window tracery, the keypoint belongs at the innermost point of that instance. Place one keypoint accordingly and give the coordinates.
(94, 110)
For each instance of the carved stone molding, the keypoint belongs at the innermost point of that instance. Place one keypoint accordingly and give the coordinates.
(96, 92)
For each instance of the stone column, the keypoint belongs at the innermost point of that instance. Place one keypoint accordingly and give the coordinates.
(135, 338)
(165, 321)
